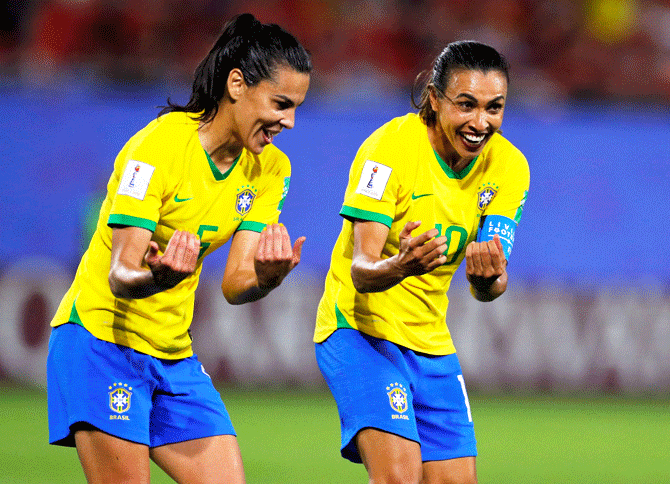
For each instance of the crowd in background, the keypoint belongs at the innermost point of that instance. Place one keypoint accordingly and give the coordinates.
(589, 50)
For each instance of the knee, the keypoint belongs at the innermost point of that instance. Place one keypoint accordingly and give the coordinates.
(397, 473)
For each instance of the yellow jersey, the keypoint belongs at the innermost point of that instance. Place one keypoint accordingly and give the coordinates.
(396, 178)
(163, 181)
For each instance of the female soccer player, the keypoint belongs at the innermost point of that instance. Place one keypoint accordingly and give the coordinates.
(124, 385)
(425, 191)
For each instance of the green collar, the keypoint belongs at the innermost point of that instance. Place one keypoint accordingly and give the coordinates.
(218, 176)
(451, 173)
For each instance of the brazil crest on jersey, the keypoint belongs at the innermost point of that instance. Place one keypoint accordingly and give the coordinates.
(396, 178)
(163, 181)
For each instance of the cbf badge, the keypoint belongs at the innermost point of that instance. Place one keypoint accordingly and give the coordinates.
(398, 400)
(485, 194)
(119, 399)
(245, 199)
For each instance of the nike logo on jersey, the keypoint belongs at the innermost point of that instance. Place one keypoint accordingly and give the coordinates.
(178, 200)
(414, 197)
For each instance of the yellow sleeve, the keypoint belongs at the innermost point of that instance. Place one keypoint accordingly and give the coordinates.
(269, 202)
(139, 179)
(511, 196)
(374, 181)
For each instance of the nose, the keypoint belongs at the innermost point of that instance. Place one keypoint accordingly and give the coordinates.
(480, 120)
(289, 120)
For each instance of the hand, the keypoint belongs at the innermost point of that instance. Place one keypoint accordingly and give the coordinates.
(421, 254)
(177, 262)
(484, 263)
(275, 257)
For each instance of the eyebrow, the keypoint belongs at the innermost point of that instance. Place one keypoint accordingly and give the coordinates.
(474, 99)
(287, 100)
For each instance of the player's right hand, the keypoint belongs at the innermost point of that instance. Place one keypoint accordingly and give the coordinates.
(177, 262)
(423, 253)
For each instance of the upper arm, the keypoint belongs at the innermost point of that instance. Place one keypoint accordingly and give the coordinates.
(129, 244)
(369, 239)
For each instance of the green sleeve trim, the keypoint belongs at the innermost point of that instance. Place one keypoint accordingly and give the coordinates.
(341, 320)
(357, 213)
(253, 226)
(130, 221)
(517, 215)
(74, 315)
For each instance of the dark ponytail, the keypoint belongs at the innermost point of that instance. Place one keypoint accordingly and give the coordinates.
(464, 54)
(255, 48)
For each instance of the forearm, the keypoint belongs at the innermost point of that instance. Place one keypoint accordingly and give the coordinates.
(244, 288)
(375, 275)
(487, 290)
(129, 283)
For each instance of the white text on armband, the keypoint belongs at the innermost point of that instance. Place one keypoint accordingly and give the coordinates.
(503, 227)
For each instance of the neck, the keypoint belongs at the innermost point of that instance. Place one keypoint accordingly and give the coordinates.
(442, 146)
(218, 140)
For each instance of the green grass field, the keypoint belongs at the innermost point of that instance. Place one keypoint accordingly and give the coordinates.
(293, 437)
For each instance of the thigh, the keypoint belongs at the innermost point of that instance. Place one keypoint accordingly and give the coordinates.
(209, 460)
(461, 470)
(442, 409)
(108, 459)
(186, 405)
(93, 381)
(369, 381)
(388, 457)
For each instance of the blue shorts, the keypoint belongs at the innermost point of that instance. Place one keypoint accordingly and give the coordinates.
(385, 386)
(128, 394)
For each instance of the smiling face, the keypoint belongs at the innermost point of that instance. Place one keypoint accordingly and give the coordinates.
(263, 110)
(468, 112)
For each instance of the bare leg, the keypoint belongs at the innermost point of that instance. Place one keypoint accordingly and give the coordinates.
(389, 458)
(452, 471)
(108, 459)
(209, 460)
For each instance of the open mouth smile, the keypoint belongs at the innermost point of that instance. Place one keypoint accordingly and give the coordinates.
(473, 141)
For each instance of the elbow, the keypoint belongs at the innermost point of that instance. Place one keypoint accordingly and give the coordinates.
(359, 283)
(231, 296)
(115, 286)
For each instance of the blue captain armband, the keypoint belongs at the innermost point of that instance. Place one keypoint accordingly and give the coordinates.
(503, 226)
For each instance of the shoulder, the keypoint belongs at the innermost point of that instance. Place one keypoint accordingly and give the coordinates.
(172, 126)
(272, 160)
(399, 130)
(500, 152)
(395, 142)
(164, 135)
(500, 147)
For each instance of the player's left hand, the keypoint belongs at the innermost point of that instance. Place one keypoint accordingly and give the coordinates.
(484, 263)
(275, 256)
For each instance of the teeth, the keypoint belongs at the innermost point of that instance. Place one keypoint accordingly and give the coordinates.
(474, 139)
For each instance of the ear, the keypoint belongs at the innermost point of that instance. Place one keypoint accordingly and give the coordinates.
(236, 84)
(432, 97)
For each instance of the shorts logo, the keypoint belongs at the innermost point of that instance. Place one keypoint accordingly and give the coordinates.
(245, 199)
(485, 194)
(119, 397)
(397, 397)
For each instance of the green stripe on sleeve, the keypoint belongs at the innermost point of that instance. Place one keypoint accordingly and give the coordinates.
(357, 213)
(252, 226)
(130, 221)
